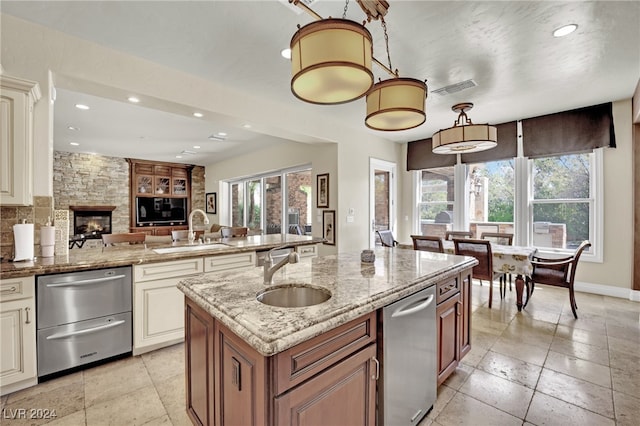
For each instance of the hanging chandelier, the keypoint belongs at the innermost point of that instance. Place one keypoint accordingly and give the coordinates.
(331, 64)
(464, 137)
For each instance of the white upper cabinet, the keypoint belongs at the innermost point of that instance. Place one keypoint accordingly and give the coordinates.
(17, 98)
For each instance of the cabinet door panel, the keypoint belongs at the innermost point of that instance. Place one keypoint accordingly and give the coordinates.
(465, 314)
(17, 341)
(342, 395)
(448, 337)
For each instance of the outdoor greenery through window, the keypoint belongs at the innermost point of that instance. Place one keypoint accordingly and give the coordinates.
(435, 204)
(562, 202)
(491, 197)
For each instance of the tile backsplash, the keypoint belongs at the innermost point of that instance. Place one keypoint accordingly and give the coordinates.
(38, 214)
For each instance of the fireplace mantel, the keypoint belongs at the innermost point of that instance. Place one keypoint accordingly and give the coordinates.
(92, 208)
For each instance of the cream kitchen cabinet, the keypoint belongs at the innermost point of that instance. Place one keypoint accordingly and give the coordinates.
(17, 334)
(228, 262)
(158, 306)
(17, 99)
(310, 250)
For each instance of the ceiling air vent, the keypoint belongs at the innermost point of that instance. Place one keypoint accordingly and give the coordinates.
(185, 152)
(455, 88)
(295, 8)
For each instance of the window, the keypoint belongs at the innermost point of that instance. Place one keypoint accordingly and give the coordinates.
(559, 203)
(435, 202)
(562, 204)
(265, 202)
(491, 197)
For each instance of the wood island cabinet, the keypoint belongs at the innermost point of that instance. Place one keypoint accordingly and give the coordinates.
(329, 379)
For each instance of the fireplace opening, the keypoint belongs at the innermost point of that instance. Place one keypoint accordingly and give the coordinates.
(90, 222)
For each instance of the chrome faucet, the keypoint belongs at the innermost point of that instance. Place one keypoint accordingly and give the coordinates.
(191, 236)
(270, 268)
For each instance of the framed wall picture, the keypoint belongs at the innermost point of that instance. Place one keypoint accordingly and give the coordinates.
(211, 201)
(329, 227)
(322, 191)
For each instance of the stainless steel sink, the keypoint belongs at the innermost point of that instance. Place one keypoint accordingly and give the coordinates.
(293, 296)
(190, 248)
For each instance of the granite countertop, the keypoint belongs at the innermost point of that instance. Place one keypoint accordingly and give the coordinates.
(80, 259)
(356, 288)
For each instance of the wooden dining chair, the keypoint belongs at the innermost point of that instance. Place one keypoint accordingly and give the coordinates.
(481, 250)
(427, 243)
(503, 239)
(386, 238)
(450, 235)
(558, 272)
(126, 237)
(234, 231)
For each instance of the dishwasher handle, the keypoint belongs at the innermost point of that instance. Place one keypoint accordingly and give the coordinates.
(403, 311)
(85, 331)
(86, 282)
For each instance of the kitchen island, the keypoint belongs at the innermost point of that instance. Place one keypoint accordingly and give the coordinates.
(251, 363)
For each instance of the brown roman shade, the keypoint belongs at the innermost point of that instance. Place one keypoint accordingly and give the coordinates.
(420, 156)
(569, 132)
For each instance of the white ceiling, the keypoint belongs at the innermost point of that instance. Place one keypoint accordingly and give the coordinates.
(506, 47)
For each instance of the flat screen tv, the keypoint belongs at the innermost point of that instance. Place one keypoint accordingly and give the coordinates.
(155, 211)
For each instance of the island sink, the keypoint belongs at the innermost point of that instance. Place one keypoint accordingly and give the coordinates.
(293, 296)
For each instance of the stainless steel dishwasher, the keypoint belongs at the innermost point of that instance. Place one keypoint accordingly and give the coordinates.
(409, 349)
(82, 317)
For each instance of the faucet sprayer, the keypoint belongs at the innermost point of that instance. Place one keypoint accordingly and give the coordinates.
(270, 268)
(191, 236)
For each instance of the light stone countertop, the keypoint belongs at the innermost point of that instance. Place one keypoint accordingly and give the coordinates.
(356, 288)
(82, 259)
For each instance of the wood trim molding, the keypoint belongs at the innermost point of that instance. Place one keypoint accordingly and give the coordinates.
(92, 208)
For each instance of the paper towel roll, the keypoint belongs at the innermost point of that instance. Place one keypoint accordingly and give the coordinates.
(47, 240)
(23, 239)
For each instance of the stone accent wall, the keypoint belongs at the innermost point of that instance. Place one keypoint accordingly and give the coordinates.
(37, 214)
(92, 180)
(198, 194)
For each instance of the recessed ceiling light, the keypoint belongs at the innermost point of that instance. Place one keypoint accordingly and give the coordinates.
(82, 106)
(198, 114)
(286, 53)
(223, 134)
(215, 138)
(565, 30)
(246, 126)
(196, 147)
(133, 99)
(72, 128)
(178, 156)
(74, 143)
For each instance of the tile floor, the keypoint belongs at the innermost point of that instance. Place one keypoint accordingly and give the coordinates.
(538, 367)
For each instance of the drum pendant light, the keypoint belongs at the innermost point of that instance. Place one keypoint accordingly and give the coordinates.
(396, 104)
(464, 137)
(331, 61)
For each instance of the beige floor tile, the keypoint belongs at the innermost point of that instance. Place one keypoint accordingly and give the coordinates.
(626, 381)
(172, 395)
(464, 410)
(75, 419)
(112, 380)
(580, 350)
(625, 361)
(134, 408)
(61, 401)
(445, 394)
(621, 332)
(584, 322)
(576, 391)
(459, 376)
(504, 314)
(522, 351)
(546, 410)
(579, 368)
(161, 421)
(583, 336)
(474, 356)
(3, 400)
(76, 379)
(541, 314)
(628, 347)
(627, 409)
(165, 363)
(488, 325)
(499, 393)
(510, 368)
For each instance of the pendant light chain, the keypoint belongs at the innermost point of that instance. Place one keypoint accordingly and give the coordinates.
(386, 40)
(346, 6)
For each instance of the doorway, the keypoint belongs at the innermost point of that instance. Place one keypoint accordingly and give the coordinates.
(381, 197)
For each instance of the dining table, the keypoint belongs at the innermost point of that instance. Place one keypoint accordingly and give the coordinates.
(515, 260)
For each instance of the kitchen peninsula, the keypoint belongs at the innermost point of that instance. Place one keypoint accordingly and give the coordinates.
(252, 363)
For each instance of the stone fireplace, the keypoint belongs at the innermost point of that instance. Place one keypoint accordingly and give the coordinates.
(90, 222)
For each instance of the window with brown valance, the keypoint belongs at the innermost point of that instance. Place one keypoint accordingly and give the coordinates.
(569, 132)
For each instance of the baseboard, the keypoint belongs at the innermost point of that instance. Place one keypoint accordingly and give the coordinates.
(608, 290)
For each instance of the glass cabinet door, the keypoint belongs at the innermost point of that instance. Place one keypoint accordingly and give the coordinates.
(179, 186)
(162, 185)
(144, 184)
